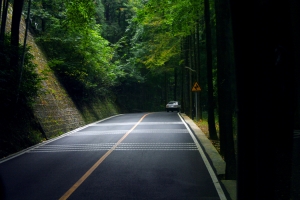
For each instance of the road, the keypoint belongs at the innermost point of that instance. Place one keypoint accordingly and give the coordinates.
(130, 156)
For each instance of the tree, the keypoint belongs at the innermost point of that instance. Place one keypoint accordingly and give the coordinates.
(165, 37)
(15, 32)
(17, 95)
(78, 53)
(116, 14)
(3, 22)
(210, 102)
(225, 81)
(265, 64)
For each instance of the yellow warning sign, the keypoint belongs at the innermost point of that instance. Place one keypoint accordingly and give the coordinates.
(196, 87)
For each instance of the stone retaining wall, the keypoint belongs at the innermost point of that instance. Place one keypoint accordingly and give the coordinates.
(54, 108)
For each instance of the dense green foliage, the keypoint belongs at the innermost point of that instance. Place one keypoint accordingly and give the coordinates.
(98, 48)
(102, 47)
(144, 53)
(77, 52)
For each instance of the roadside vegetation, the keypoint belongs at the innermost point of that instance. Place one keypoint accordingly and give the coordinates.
(141, 54)
(203, 125)
(18, 88)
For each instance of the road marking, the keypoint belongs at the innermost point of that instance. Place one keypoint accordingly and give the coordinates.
(2, 160)
(90, 171)
(132, 123)
(120, 147)
(207, 164)
(139, 131)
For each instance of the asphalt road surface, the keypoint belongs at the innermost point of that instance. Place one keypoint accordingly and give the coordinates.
(131, 156)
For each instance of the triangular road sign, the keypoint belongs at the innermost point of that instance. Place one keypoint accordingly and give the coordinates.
(196, 87)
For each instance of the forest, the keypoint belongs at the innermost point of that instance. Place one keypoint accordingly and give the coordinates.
(145, 53)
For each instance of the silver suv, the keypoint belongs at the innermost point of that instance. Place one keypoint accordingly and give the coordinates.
(173, 106)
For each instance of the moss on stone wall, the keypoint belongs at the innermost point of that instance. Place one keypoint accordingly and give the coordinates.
(54, 109)
(99, 109)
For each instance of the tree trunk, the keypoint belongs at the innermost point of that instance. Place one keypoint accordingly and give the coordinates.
(166, 87)
(198, 69)
(210, 101)
(15, 32)
(182, 79)
(265, 73)
(0, 7)
(24, 49)
(175, 84)
(295, 21)
(225, 101)
(3, 23)
(187, 77)
(192, 107)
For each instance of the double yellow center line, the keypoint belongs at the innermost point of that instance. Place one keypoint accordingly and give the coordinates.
(90, 171)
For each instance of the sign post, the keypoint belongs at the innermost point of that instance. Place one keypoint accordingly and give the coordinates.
(196, 88)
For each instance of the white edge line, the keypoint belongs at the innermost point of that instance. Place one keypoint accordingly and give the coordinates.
(2, 160)
(206, 162)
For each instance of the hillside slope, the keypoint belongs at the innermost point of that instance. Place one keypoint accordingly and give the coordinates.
(54, 109)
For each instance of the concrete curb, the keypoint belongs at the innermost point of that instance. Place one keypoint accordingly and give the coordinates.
(217, 162)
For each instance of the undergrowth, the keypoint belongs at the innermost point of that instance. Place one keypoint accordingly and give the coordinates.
(203, 125)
